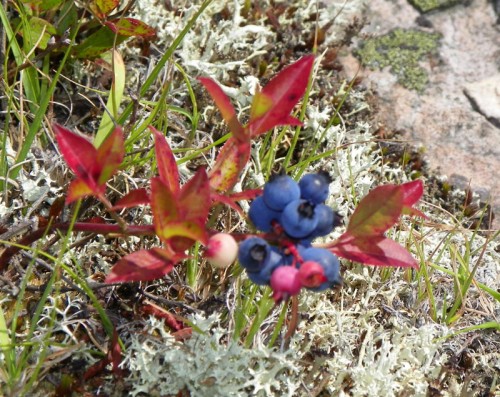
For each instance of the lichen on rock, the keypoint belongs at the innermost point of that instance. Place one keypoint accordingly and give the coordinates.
(431, 5)
(401, 50)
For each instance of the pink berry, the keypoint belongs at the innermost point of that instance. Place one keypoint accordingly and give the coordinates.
(285, 282)
(312, 274)
(221, 250)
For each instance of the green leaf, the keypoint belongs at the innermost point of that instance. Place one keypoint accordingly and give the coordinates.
(98, 42)
(114, 99)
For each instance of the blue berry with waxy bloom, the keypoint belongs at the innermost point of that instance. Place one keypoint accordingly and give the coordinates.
(254, 253)
(328, 262)
(261, 215)
(299, 219)
(279, 191)
(315, 187)
(263, 276)
(327, 221)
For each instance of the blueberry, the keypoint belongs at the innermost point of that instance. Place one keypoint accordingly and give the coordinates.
(254, 253)
(299, 218)
(279, 191)
(315, 187)
(328, 262)
(261, 215)
(327, 221)
(263, 275)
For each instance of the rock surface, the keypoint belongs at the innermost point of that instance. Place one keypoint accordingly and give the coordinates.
(461, 139)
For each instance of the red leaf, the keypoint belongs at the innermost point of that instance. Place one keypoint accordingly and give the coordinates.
(79, 153)
(110, 154)
(133, 199)
(164, 207)
(130, 27)
(229, 201)
(143, 265)
(229, 163)
(159, 312)
(225, 107)
(374, 250)
(273, 105)
(165, 160)
(377, 211)
(412, 192)
(102, 8)
(194, 198)
(115, 354)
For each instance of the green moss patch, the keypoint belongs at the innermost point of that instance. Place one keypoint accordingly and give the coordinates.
(402, 50)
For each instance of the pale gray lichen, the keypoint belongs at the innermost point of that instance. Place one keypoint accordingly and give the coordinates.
(206, 364)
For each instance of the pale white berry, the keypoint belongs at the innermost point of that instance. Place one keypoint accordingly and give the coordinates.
(221, 250)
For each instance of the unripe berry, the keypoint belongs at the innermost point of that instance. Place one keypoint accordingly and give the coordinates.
(221, 250)
(285, 282)
(311, 274)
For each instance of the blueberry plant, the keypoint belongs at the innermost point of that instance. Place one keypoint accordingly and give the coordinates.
(288, 214)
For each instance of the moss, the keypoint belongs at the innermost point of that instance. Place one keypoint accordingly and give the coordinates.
(431, 5)
(401, 50)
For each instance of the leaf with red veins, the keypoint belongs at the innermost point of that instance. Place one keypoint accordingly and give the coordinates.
(164, 205)
(225, 107)
(375, 250)
(272, 106)
(102, 8)
(110, 154)
(133, 199)
(229, 163)
(194, 198)
(143, 265)
(377, 211)
(130, 27)
(165, 160)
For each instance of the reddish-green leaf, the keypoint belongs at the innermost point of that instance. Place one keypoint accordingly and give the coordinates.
(130, 27)
(194, 198)
(165, 160)
(190, 229)
(102, 8)
(377, 212)
(133, 199)
(225, 107)
(164, 206)
(229, 163)
(79, 154)
(141, 265)
(373, 250)
(115, 354)
(78, 189)
(273, 105)
(110, 154)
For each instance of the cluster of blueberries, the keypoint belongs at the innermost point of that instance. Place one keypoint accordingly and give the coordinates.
(292, 214)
